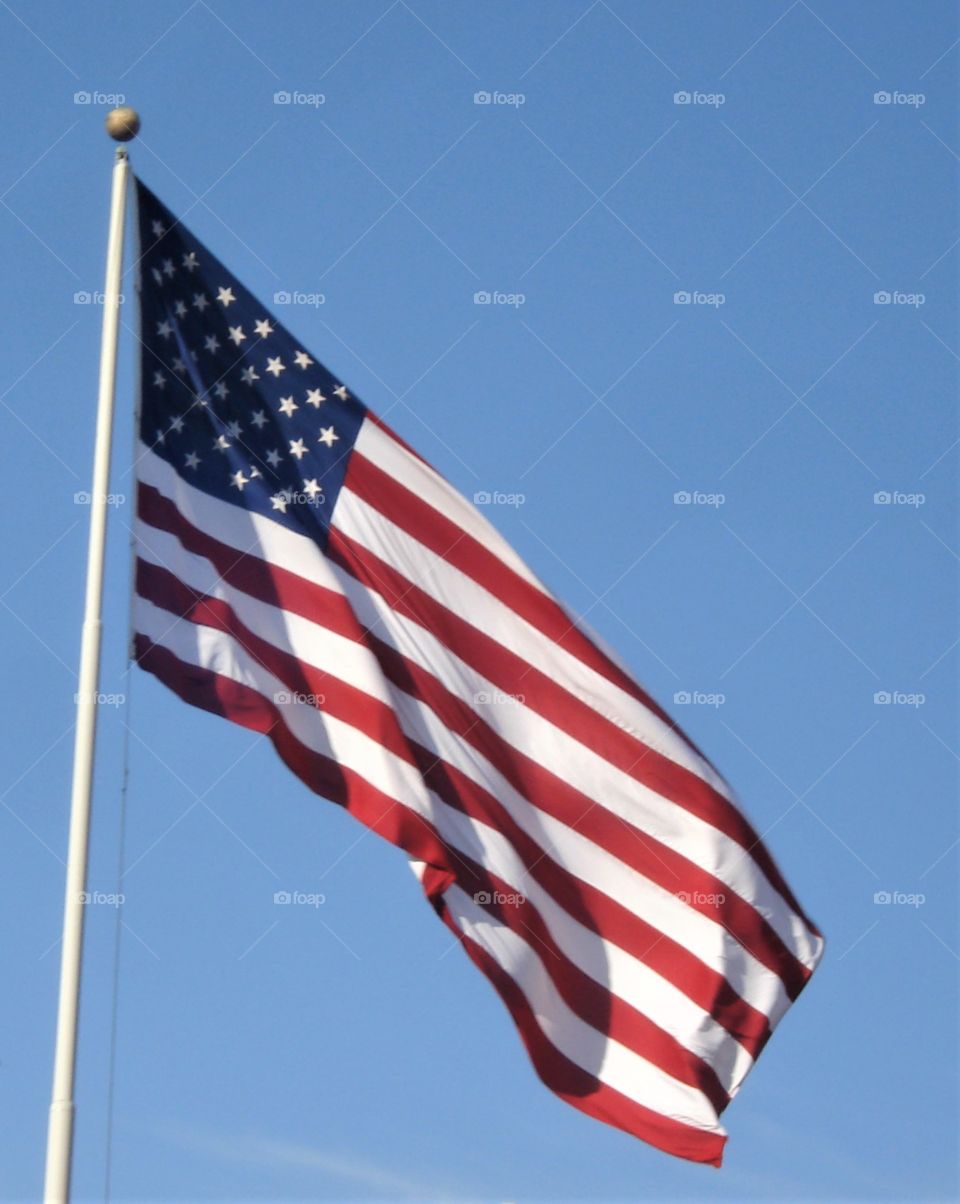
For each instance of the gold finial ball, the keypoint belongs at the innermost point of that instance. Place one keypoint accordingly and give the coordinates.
(123, 123)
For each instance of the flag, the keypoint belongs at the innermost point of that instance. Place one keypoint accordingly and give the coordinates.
(303, 572)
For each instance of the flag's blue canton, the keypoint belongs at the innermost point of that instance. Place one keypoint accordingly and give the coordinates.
(228, 396)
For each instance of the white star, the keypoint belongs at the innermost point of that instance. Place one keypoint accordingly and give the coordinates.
(312, 488)
(179, 366)
(279, 502)
(273, 458)
(234, 428)
(176, 424)
(238, 480)
(297, 448)
(157, 228)
(159, 380)
(263, 327)
(190, 261)
(156, 275)
(302, 360)
(200, 301)
(314, 398)
(236, 333)
(288, 405)
(221, 390)
(328, 436)
(164, 329)
(179, 309)
(161, 437)
(249, 375)
(259, 419)
(341, 392)
(211, 343)
(192, 460)
(168, 268)
(275, 365)
(225, 296)
(255, 472)
(193, 354)
(220, 443)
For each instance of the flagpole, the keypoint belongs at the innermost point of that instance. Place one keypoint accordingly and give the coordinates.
(122, 125)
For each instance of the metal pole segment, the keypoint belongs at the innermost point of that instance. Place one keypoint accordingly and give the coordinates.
(60, 1130)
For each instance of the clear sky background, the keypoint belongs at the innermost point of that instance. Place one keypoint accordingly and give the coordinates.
(349, 1051)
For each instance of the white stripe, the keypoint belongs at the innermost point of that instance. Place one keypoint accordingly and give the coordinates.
(321, 733)
(376, 445)
(315, 645)
(623, 1069)
(611, 789)
(601, 1057)
(576, 762)
(456, 589)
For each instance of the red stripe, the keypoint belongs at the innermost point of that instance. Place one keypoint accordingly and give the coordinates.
(243, 705)
(589, 999)
(247, 707)
(457, 547)
(583, 1090)
(278, 587)
(515, 677)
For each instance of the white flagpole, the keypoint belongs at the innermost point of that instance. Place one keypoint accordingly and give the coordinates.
(122, 124)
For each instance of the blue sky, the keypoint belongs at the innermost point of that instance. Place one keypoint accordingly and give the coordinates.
(747, 299)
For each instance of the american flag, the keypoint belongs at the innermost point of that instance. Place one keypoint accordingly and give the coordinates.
(302, 572)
